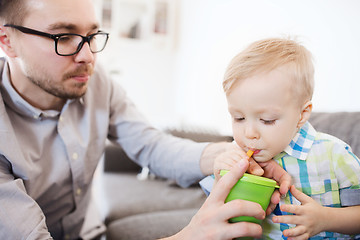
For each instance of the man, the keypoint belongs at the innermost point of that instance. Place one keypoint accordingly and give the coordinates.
(56, 111)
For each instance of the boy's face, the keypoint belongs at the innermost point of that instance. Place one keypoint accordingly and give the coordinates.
(265, 115)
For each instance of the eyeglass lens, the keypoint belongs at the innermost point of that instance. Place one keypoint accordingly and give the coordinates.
(70, 44)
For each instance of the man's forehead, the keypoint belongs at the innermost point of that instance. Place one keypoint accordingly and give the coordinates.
(64, 14)
(34, 4)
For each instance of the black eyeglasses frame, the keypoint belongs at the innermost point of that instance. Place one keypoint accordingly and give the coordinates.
(56, 37)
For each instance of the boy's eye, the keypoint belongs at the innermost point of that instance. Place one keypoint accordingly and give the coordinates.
(268, 122)
(238, 119)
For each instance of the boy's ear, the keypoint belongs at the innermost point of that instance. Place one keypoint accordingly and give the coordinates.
(305, 113)
(5, 43)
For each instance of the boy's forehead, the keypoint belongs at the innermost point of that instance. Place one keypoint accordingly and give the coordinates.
(266, 88)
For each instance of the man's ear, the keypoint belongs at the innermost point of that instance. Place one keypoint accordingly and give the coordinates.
(305, 113)
(5, 43)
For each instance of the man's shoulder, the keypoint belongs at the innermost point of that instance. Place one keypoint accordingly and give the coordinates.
(104, 84)
(5, 124)
(2, 63)
(100, 79)
(100, 71)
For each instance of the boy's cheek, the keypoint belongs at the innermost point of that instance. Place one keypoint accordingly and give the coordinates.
(238, 141)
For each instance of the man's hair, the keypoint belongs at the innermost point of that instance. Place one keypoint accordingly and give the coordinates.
(12, 11)
(265, 55)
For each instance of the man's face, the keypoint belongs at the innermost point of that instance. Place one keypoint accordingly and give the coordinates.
(264, 113)
(61, 76)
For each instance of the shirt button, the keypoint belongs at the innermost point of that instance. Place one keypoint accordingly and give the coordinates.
(75, 156)
(61, 119)
(78, 191)
(35, 116)
(67, 236)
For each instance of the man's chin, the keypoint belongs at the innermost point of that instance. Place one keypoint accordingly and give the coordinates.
(72, 94)
(78, 92)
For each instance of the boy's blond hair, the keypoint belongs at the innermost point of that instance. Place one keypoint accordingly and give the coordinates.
(268, 54)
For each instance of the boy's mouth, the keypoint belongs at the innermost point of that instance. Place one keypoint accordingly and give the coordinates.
(257, 151)
(253, 151)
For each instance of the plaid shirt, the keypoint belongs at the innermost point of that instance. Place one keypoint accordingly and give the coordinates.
(322, 167)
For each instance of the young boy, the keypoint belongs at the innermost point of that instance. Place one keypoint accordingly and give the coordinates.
(269, 87)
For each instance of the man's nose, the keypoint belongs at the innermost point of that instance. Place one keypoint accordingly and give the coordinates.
(85, 55)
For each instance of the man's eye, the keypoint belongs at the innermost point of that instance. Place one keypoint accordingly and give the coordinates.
(64, 39)
(268, 122)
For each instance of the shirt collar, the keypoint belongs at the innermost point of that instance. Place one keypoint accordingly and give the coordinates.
(18, 104)
(300, 145)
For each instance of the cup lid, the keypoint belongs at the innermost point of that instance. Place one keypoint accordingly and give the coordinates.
(255, 179)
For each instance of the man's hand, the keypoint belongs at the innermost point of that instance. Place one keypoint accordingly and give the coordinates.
(211, 221)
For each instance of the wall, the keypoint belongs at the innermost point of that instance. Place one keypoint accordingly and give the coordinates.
(147, 75)
(145, 66)
(182, 86)
(213, 31)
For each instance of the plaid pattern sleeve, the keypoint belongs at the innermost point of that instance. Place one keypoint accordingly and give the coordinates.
(322, 167)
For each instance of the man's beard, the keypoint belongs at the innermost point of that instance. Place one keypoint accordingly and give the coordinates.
(58, 89)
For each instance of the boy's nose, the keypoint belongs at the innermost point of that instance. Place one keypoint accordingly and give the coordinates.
(251, 132)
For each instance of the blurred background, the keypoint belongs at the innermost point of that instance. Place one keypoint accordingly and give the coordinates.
(170, 55)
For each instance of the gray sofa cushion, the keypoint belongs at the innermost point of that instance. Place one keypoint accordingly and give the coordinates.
(150, 226)
(125, 195)
(344, 125)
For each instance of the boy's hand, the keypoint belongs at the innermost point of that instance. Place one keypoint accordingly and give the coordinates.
(274, 171)
(309, 216)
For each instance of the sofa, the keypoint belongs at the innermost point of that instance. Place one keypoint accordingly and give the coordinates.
(138, 205)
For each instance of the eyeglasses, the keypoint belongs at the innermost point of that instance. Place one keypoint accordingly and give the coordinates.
(67, 44)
